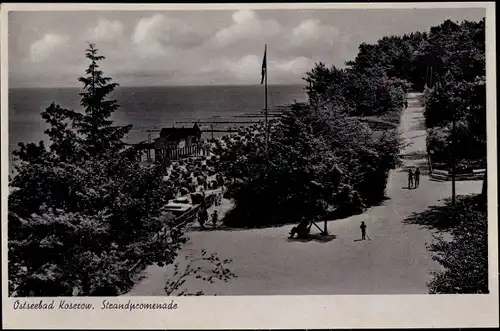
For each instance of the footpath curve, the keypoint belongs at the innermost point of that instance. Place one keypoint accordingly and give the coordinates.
(394, 261)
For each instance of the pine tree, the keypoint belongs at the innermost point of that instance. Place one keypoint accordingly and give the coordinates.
(96, 127)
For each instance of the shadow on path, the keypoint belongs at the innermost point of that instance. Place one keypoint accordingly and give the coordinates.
(197, 228)
(436, 217)
(417, 155)
(315, 237)
(358, 240)
(440, 217)
(409, 188)
(419, 126)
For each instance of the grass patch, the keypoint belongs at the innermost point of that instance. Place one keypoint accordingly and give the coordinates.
(386, 121)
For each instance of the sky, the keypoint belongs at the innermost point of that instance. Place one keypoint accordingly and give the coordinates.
(215, 47)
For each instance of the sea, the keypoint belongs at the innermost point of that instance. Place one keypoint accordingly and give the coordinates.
(149, 108)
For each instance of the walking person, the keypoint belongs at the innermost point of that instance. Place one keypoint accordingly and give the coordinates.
(410, 179)
(363, 230)
(406, 104)
(417, 177)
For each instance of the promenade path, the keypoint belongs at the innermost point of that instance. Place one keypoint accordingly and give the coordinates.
(394, 261)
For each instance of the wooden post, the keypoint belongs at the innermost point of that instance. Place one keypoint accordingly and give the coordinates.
(265, 91)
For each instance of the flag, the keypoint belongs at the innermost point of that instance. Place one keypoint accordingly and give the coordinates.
(264, 66)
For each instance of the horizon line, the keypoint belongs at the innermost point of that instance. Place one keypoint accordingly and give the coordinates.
(145, 86)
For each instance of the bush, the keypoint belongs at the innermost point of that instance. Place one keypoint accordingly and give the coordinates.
(465, 257)
(313, 153)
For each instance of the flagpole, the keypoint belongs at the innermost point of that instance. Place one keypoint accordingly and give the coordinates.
(265, 91)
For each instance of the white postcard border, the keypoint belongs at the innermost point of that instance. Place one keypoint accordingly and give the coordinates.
(267, 312)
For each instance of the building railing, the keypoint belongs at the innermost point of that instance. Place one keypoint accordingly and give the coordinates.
(175, 153)
(165, 153)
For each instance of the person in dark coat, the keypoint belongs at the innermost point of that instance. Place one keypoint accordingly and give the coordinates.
(363, 230)
(410, 178)
(202, 216)
(417, 177)
(406, 104)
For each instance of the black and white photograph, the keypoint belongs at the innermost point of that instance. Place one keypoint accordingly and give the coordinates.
(247, 152)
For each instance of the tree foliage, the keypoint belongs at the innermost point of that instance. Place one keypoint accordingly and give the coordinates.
(80, 213)
(373, 83)
(465, 257)
(447, 63)
(318, 161)
(355, 91)
(457, 91)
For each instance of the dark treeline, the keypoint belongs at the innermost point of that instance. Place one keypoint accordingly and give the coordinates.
(457, 88)
(326, 141)
(319, 162)
(448, 63)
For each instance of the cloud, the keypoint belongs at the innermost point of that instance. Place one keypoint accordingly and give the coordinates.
(160, 35)
(43, 48)
(246, 25)
(198, 47)
(105, 31)
(147, 35)
(312, 31)
(295, 66)
(247, 69)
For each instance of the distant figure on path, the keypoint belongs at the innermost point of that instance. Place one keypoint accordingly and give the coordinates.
(363, 230)
(406, 104)
(410, 178)
(202, 216)
(417, 177)
(302, 230)
(214, 218)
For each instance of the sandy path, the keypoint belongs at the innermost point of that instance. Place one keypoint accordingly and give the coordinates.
(394, 261)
